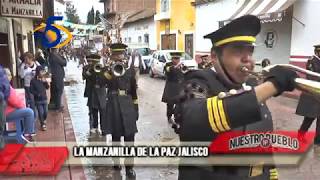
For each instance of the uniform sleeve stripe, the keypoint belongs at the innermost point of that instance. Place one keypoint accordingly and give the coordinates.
(273, 170)
(168, 68)
(216, 114)
(135, 101)
(222, 115)
(210, 115)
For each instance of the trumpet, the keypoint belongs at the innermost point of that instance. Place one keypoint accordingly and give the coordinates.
(118, 68)
(206, 62)
(305, 85)
(98, 68)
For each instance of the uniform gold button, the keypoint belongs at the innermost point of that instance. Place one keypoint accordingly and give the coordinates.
(222, 95)
(262, 104)
(247, 88)
(233, 91)
(265, 115)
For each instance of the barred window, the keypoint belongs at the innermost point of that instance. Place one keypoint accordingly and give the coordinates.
(164, 6)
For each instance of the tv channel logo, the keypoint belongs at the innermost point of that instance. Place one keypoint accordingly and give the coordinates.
(50, 33)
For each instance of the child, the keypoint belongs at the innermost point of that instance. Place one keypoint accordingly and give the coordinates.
(38, 88)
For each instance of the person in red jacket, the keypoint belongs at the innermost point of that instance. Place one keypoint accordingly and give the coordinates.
(15, 109)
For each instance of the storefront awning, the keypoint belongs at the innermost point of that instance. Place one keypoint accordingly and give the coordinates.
(266, 10)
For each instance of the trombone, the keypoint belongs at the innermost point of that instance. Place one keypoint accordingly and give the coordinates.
(305, 85)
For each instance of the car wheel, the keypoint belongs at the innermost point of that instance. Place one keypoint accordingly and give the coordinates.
(151, 73)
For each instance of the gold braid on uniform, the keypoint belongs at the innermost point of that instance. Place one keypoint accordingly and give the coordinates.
(135, 101)
(216, 114)
(274, 174)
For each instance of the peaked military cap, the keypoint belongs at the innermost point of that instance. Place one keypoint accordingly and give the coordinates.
(116, 47)
(243, 30)
(176, 54)
(317, 47)
(93, 57)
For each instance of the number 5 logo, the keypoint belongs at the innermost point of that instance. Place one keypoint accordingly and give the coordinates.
(51, 35)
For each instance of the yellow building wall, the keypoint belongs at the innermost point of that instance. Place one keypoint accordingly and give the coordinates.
(182, 20)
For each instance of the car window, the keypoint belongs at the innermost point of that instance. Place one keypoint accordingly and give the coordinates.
(155, 55)
(144, 51)
(162, 57)
(184, 56)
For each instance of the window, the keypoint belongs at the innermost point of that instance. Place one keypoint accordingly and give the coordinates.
(144, 51)
(139, 39)
(155, 55)
(164, 5)
(129, 39)
(125, 39)
(146, 38)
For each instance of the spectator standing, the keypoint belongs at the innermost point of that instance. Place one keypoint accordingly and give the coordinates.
(57, 63)
(137, 63)
(27, 72)
(41, 59)
(38, 88)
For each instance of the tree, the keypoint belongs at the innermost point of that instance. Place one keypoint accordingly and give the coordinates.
(71, 13)
(97, 17)
(90, 16)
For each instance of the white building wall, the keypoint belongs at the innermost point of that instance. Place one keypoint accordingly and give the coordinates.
(140, 28)
(59, 9)
(27, 26)
(305, 33)
(207, 21)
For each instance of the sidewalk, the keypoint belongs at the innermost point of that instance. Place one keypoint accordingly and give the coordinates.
(59, 128)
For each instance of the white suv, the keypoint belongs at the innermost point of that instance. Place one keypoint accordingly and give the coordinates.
(161, 57)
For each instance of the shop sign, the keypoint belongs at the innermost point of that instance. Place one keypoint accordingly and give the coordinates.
(22, 8)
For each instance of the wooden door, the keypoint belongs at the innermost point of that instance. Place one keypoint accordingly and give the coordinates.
(168, 41)
(188, 44)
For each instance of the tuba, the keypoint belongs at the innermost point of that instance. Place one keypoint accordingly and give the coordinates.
(305, 85)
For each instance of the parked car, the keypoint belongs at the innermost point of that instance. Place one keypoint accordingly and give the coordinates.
(161, 57)
(146, 57)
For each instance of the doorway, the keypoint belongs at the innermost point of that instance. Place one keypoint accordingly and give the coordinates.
(188, 44)
(4, 51)
(168, 41)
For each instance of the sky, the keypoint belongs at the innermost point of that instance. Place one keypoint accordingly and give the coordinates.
(84, 6)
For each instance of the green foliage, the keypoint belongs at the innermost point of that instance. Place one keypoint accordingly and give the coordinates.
(90, 16)
(97, 18)
(71, 13)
